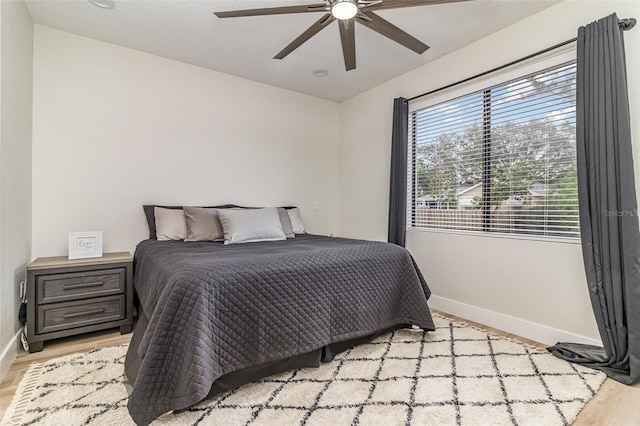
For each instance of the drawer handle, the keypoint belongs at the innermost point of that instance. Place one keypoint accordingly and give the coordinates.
(83, 313)
(83, 285)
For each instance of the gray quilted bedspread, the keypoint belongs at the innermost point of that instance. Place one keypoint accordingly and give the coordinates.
(216, 308)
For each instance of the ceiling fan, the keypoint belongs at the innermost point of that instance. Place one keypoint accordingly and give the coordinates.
(347, 13)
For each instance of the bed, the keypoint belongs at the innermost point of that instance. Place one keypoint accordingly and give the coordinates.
(214, 316)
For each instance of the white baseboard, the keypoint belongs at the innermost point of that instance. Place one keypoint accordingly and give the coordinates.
(527, 329)
(9, 354)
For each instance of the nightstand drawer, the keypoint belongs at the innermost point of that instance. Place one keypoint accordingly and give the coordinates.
(63, 316)
(73, 286)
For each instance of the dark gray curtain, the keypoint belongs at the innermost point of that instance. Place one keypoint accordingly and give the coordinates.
(398, 187)
(608, 208)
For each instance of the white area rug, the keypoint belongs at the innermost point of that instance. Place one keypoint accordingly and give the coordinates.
(457, 375)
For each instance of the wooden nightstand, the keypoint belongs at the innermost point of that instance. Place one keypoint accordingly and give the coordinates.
(67, 297)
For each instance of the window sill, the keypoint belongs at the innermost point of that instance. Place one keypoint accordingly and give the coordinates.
(541, 238)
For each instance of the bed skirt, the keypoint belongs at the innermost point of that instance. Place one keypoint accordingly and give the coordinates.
(243, 376)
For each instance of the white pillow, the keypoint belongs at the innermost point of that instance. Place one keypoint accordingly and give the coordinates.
(170, 224)
(296, 221)
(250, 225)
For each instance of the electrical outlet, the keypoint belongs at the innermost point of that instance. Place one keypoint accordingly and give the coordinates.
(316, 206)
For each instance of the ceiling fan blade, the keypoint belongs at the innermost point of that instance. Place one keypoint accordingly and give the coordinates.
(397, 4)
(387, 29)
(271, 11)
(309, 32)
(348, 38)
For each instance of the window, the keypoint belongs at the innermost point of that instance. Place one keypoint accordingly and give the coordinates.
(501, 159)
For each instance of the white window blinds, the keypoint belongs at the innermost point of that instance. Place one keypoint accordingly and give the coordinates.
(501, 159)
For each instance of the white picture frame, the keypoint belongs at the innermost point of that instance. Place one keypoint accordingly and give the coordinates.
(84, 245)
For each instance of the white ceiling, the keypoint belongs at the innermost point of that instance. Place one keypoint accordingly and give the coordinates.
(187, 31)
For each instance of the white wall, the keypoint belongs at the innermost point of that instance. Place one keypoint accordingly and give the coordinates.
(16, 53)
(115, 128)
(531, 288)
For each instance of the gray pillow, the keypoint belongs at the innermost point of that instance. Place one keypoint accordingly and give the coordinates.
(296, 220)
(170, 224)
(286, 223)
(251, 225)
(202, 224)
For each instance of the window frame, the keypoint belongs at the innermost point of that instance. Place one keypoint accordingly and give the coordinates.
(557, 58)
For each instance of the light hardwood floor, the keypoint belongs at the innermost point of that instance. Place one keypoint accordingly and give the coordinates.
(614, 404)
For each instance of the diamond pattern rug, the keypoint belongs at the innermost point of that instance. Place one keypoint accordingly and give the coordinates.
(457, 375)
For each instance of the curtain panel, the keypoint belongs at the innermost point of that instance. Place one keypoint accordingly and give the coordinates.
(607, 203)
(398, 184)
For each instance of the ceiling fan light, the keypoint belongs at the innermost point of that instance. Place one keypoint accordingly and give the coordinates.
(344, 9)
